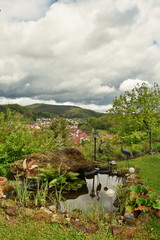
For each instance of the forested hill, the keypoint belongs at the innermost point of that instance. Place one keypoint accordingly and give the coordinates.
(65, 111)
(49, 111)
(26, 112)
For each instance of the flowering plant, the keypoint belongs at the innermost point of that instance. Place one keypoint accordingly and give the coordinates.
(142, 198)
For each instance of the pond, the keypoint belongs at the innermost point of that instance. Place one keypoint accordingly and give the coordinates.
(93, 193)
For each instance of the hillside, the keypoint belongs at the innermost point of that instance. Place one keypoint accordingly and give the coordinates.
(26, 112)
(65, 111)
(49, 111)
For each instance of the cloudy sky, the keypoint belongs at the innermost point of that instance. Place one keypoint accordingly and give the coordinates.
(77, 52)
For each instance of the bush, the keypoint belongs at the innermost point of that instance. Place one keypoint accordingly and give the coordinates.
(142, 198)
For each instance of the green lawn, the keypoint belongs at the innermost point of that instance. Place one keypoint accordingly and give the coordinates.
(102, 131)
(39, 230)
(149, 170)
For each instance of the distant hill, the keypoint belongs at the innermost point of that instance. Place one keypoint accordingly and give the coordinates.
(65, 111)
(49, 111)
(26, 112)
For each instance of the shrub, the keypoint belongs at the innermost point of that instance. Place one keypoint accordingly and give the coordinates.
(142, 198)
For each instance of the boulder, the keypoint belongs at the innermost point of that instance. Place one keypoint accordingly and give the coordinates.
(10, 207)
(68, 159)
(129, 219)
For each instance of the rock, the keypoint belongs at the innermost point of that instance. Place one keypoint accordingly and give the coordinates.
(42, 215)
(1, 193)
(129, 219)
(88, 228)
(77, 220)
(28, 212)
(68, 219)
(3, 181)
(120, 219)
(8, 190)
(46, 210)
(53, 208)
(10, 207)
(69, 159)
(58, 218)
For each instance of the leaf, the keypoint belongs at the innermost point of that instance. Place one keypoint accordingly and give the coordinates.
(132, 197)
(24, 164)
(32, 172)
(156, 205)
(52, 183)
(138, 208)
(33, 166)
(140, 201)
(144, 190)
(145, 209)
(129, 209)
(30, 163)
(20, 169)
(72, 175)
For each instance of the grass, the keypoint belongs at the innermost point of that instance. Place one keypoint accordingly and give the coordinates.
(149, 170)
(39, 230)
(102, 131)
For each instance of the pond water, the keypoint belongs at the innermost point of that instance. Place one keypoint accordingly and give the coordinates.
(93, 193)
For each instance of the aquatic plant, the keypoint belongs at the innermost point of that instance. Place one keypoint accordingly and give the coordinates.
(59, 182)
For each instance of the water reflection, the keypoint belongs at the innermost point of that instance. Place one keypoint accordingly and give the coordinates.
(94, 193)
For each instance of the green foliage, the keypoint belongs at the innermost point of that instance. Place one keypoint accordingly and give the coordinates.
(121, 197)
(25, 112)
(41, 195)
(85, 126)
(65, 111)
(22, 193)
(142, 198)
(27, 169)
(60, 130)
(58, 181)
(17, 141)
(107, 121)
(25, 196)
(137, 110)
(104, 122)
(136, 137)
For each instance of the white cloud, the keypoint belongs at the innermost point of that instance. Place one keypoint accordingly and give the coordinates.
(129, 84)
(23, 10)
(77, 51)
(16, 77)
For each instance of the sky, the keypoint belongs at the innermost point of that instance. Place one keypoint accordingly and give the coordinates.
(77, 52)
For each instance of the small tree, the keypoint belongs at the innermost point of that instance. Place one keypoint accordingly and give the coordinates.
(60, 131)
(137, 110)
